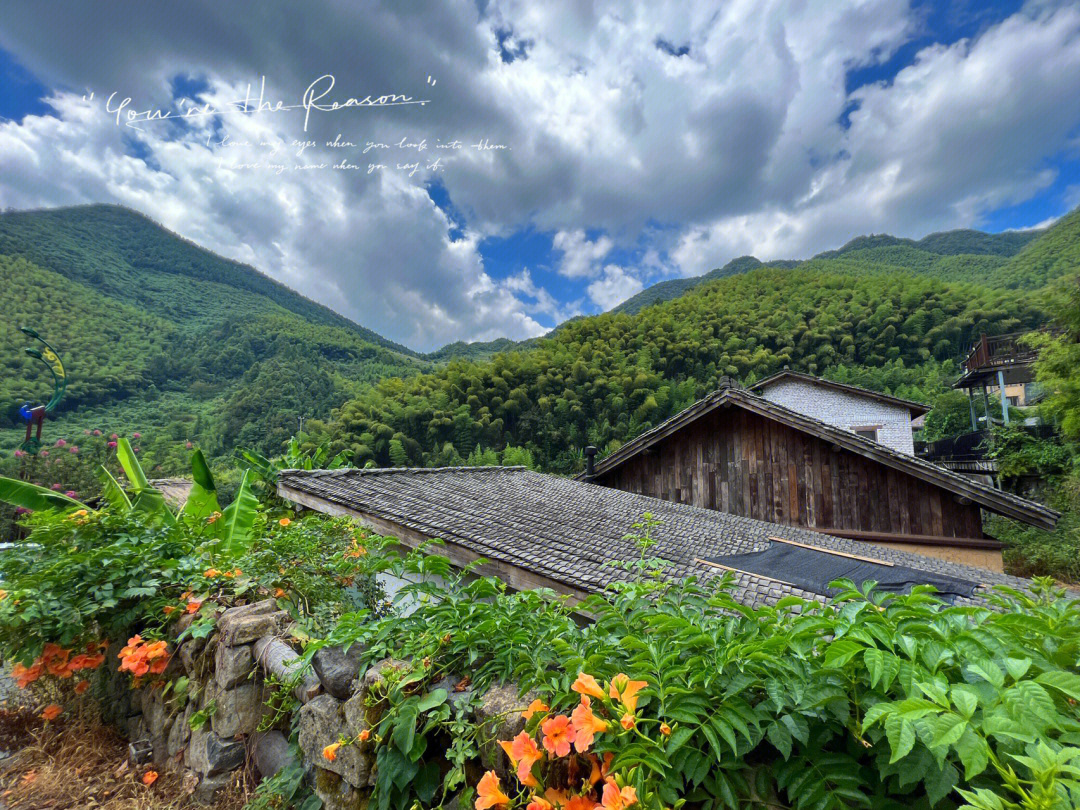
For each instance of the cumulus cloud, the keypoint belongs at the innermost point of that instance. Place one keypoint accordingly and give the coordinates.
(614, 287)
(581, 258)
(965, 129)
(639, 160)
(379, 252)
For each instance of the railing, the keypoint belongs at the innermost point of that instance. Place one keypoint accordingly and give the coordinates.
(970, 446)
(965, 447)
(1000, 350)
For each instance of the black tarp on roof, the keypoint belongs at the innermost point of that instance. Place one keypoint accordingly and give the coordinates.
(813, 570)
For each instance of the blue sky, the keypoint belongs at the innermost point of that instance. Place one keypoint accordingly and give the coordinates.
(645, 141)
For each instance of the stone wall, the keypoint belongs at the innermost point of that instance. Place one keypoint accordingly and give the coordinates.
(229, 679)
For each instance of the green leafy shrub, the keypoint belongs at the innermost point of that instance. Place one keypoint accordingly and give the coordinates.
(1019, 453)
(871, 700)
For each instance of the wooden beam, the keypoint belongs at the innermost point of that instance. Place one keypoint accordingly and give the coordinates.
(832, 551)
(913, 539)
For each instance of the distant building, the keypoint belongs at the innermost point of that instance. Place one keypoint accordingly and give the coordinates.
(870, 414)
(1001, 364)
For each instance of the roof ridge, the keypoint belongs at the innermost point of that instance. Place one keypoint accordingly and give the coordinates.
(857, 389)
(404, 470)
(836, 434)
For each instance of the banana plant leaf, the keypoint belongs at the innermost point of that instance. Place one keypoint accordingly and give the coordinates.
(129, 463)
(259, 464)
(153, 503)
(234, 528)
(112, 491)
(31, 496)
(202, 501)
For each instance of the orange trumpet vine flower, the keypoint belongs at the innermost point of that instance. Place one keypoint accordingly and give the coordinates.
(625, 690)
(558, 735)
(534, 707)
(586, 685)
(615, 799)
(586, 725)
(488, 793)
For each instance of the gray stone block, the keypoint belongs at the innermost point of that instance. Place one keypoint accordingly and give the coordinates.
(232, 665)
(239, 710)
(498, 712)
(210, 755)
(337, 669)
(321, 723)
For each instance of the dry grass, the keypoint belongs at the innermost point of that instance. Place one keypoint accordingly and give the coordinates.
(78, 765)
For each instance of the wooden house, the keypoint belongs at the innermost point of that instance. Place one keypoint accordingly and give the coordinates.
(737, 452)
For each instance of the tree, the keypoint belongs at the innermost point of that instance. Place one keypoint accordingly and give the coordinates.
(1058, 366)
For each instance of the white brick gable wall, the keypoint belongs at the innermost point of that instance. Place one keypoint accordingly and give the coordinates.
(845, 410)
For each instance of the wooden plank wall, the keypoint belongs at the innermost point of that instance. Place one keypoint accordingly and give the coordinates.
(742, 463)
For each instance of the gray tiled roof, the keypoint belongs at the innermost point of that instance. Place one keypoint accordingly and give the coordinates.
(569, 531)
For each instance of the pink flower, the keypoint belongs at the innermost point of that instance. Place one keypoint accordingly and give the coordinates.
(111, 444)
(61, 443)
(189, 445)
(97, 432)
(71, 493)
(57, 487)
(86, 432)
(136, 435)
(114, 436)
(136, 449)
(44, 453)
(21, 510)
(19, 454)
(74, 449)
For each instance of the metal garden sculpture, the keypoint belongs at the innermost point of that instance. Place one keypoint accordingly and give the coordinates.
(34, 415)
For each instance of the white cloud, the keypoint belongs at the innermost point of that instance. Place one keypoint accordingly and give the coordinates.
(581, 258)
(378, 252)
(737, 146)
(614, 287)
(965, 129)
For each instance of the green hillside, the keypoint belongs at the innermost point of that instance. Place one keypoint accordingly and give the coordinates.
(165, 338)
(666, 290)
(1026, 259)
(476, 350)
(127, 256)
(605, 379)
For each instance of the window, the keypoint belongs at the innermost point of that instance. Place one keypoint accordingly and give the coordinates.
(1013, 401)
(866, 432)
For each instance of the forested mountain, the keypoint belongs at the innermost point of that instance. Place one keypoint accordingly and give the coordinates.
(961, 255)
(605, 379)
(129, 257)
(158, 333)
(472, 351)
(887, 314)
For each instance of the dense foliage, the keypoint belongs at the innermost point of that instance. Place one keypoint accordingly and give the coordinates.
(603, 380)
(961, 255)
(159, 334)
(1033, 551)
(135, 563)
(678, 695)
